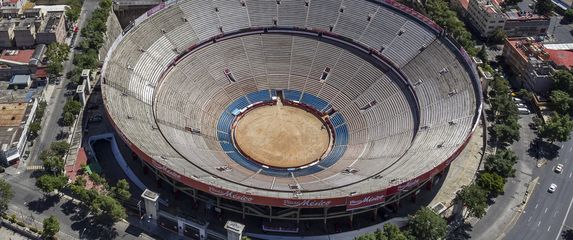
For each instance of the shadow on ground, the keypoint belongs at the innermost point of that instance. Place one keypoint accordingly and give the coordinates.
(43, 204)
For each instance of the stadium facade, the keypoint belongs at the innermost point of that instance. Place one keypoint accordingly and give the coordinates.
(400, 99)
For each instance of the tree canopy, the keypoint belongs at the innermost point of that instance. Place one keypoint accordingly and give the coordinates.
(491, 182)
(54, 164)
(6, 194)
(48, 183)
(568, 15)
(121, 190)
(557, 128)
(501, 163)
(544, 7)
(474, 198)
(440, 12)
(51, 227)
(390, 232)
(72, 106)
(561, 101)
(426, 224)
(60, 148)
(563, 81)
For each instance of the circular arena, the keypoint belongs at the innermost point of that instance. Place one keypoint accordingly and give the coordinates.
(291, 109)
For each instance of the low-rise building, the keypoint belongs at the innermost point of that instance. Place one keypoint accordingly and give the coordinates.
(53, 29)
(20, 62)
(524, 24)
(486, 16)
(15, 4)
(7, 34)
(25, 32)
(16, 115)
(534, 64)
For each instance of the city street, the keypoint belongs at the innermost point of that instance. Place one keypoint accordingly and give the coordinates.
(50, 126)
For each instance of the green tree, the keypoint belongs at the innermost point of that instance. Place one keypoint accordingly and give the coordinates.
(6, 194)
(557, 128)
(544, 7)
(392, 232)
(48, 183)
(561, 101)
(72, 106)
(426, 224)
(506, 133)
(98, 180)
(482, 54)
(501, 163)
(563, 81)
(568, 15)
(525, 95)
(51, 227)
(491, 182)
(34, 129)
(439, 11)
(498, 36)
(60, 148)
(55, 68)
(474, 198)
(54, 165)
(108, 208)
(68, 119)
(57, 52)
(121, 190)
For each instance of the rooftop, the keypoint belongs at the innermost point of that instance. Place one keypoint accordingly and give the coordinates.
(53, 19)
(514, 14)
(561, 57)
(12, 116)
(16, 56)
(532, 50)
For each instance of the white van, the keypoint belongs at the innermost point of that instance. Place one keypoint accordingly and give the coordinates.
(521, 105)
(523, 111)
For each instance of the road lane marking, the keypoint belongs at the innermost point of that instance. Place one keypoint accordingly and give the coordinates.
(564, 219)
(555, 214)
(545, 210)
(548, 228)
(539, 223)
(529, 220)
(570, 148)
(536, 205)
(571, 173)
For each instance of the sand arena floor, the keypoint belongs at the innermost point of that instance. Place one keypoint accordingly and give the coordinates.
(281, 136)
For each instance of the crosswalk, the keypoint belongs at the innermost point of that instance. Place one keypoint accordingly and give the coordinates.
(34, 167)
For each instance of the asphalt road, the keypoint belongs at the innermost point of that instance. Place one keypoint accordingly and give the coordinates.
(546, 213)
(50, 127)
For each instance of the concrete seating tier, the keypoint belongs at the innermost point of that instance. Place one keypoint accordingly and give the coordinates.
(387, 129)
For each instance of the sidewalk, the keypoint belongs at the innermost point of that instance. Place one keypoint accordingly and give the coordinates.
(461, 173)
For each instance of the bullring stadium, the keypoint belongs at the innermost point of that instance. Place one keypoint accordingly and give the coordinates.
(291, 109)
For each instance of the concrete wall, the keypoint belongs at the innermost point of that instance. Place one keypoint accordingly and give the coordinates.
(113, 30)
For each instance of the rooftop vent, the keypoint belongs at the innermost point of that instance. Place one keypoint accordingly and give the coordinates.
(229, 75)
(325, 74)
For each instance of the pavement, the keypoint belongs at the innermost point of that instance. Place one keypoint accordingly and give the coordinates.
(546, 214)
(461, 172)
(504, 211)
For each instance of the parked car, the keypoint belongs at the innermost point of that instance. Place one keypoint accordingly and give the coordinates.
(521, 105)
(517, 100)
(96, 118)
(523, 111)
(552, 188)
(559, 168)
